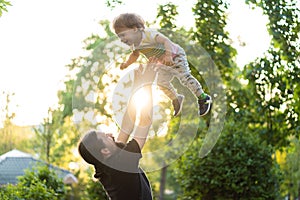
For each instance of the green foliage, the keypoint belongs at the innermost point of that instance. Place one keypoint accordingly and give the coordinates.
(65, 98)
(96, 191)
(283, 26)
(239, 167)
(12, 136)
(113, 3)
(45, 138)
(88, 72)
(274, 116)
(9, 192)
(274, 78)
(56, 138)
(7, 141)
(167, 13)
(3, 6)
(210, 22)
(291, 170)
(38, 184)
(41, 183)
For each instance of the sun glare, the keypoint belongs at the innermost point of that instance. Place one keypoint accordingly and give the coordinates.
(140, 98)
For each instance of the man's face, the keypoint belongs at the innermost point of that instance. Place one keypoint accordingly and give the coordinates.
(108, 139)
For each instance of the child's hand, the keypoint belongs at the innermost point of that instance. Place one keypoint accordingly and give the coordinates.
(168, 60)
(123, 66)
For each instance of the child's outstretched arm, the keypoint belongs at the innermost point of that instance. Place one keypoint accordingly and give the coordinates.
(160, 38)
(131, 59)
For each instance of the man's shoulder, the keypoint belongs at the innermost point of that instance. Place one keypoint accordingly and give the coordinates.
(133, 146)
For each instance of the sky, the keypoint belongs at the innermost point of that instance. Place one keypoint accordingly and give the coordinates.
(38, 38)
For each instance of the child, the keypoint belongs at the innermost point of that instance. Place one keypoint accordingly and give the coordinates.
(131, 30)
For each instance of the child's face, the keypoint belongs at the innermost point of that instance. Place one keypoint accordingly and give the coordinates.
(129, 36)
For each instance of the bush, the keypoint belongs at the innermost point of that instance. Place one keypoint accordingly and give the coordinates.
(96, 191)
(9, 193)
(239, 167)
(39, 184)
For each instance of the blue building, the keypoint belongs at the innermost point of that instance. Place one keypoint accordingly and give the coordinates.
(14, 163)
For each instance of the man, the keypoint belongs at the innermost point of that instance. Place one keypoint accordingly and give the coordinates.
(117, 163)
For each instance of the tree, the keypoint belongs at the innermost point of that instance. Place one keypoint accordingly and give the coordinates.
(7, 135)
(12, 136)
(210, 23)
(274, 78)
(45, 138)
(3, 6)
(248, 105)
(86, 91)
(56, 140)
(167, 14)
(291, 170)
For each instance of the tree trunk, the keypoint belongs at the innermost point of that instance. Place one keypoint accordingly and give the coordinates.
(163, 177)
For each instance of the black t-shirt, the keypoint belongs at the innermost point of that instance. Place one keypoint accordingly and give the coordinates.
(122, 178)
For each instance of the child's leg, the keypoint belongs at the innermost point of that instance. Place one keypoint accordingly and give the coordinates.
(164, 82)
(191, 83)
(183, 73)
(164, 78)
(181, 66)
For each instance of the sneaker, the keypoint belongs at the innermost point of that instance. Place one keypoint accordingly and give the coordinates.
(204, 105)
(177, 104)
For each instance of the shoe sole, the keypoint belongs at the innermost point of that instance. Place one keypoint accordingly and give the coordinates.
(181, 104)
(209, 106)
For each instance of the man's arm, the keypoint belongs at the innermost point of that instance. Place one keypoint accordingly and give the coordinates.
(145, 122)
(128, 122)
(146, 114)
(145, 81)
(129, 117)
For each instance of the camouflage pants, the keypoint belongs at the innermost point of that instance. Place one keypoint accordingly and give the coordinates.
(180, 70)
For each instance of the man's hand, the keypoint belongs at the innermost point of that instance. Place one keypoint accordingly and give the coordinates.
(145, 76)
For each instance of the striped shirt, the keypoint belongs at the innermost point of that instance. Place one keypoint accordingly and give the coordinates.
(149, 46)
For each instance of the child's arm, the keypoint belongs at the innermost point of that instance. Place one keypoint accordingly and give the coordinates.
(168, 60)
(131, 59)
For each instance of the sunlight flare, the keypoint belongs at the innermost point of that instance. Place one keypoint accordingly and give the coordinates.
(140, 98)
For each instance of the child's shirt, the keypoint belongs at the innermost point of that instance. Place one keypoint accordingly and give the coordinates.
(150, 47)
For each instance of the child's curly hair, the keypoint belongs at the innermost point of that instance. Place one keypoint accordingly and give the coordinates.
(128, 20)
